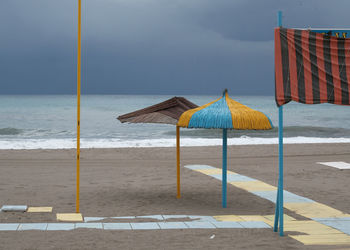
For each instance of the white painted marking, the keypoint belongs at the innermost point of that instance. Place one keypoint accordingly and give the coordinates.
(336, 164)
(14, 208)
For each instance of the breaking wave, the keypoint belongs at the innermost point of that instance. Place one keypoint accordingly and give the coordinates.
(185, 142)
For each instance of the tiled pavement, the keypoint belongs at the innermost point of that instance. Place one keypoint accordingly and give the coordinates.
(327, 226)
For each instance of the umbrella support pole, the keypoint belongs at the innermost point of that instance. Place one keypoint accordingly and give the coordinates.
(178, 161)
(279, 200)
(77, 206)
(224, 167)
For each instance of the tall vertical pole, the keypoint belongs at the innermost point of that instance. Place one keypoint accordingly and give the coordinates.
(280, 179)
(78, 104)
(280, 154)
(178, 161)
(224, 167)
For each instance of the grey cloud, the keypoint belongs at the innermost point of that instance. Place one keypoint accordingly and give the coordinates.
(149, 46)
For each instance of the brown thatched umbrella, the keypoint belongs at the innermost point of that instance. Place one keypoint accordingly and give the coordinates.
(167, 112)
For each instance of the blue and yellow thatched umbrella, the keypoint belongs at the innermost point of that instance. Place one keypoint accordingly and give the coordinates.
(223, 113)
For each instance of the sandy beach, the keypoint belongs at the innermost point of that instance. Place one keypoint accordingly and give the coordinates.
(142, 181)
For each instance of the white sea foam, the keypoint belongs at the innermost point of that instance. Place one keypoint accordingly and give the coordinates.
(185, 142)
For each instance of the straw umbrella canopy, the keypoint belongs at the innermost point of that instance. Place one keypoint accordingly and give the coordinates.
(167, 112)
(225, 113)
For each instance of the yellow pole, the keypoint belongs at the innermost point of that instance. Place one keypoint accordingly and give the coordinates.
(178, 160)
(78, 103)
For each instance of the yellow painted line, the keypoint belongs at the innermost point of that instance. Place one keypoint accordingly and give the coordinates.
(39, 210)
(209, 171)
(212, 171)
(253, 186)
(269, 219)
(256, 218)
(309, 227)
(285, 217)
(69, 217)
(302, 223)
(228, 218)
(315, 231)
(313, 210)
(332, 239)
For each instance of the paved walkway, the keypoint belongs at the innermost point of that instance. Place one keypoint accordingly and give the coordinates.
(327, 226)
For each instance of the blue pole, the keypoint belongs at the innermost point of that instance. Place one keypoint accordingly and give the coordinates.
(280, 156)
(279, 200)
(275, 226)
(224, 166)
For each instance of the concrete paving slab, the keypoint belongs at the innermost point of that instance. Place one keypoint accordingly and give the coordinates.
(69, 217)
(287, 196)
(32, 226)
(252, 186)
(313, 209)
(60, 226)
(332, 219)
(285, 217)
(227, 224)
(14, 208)
(156, 217)
(233, 177)
(228, 218)
(39, 209)
(254, 224)
(202, 218)
(116, 226)
(9, 226)
(336, 164)
(322, 239)
(144, 226)
(195, 167)
(89, 225)
(199, 224)
(210, 171)
(341, 225)
(172, 225)
(88, 219)
(124, 217)
(175, 216)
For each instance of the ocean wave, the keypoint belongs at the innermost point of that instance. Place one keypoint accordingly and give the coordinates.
(10, 131)
(185, 142)
(289, 131)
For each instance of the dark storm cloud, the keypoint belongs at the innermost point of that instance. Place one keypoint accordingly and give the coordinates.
(149, 46)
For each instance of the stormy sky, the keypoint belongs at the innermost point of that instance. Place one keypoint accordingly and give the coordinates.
(150, 46)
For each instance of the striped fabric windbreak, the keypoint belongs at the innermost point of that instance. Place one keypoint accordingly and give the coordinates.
(311, 67)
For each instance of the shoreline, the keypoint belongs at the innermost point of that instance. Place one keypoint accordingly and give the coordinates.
(53, 144)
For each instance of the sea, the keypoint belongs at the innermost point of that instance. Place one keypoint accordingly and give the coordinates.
(49, 122)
